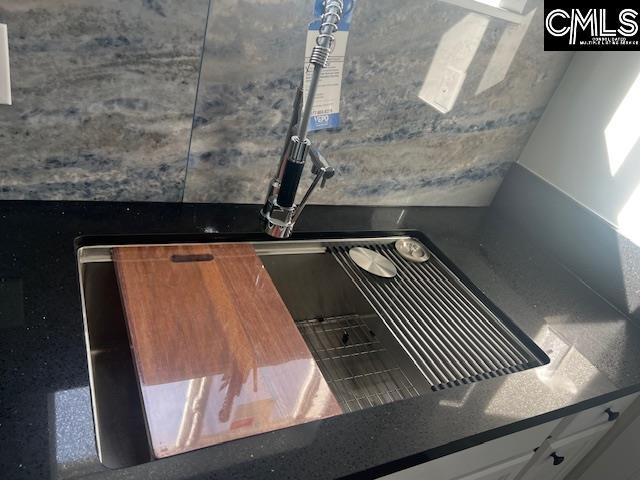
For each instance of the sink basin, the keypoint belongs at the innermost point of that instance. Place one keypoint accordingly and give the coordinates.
(376, 340)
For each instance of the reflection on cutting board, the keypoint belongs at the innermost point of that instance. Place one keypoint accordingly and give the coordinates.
(217, 353)
(210, 410)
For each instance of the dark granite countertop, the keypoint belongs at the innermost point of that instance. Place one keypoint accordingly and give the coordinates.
(46, 425)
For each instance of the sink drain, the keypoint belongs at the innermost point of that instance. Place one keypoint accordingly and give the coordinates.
(412, 250)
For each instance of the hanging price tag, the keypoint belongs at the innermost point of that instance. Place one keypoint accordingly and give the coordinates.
(326, 106)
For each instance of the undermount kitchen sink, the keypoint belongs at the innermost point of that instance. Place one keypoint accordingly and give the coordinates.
(376, 340)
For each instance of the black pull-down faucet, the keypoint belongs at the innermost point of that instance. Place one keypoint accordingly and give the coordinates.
(280, 212)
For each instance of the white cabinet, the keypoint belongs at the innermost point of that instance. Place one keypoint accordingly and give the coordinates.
(558, 458)
(487, 461)
(558, 446)
(502, 471)
(617, 459)
(602, 414)
(573, 439)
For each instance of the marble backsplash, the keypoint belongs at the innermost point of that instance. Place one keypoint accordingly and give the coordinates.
(393, 147)
(104, 95)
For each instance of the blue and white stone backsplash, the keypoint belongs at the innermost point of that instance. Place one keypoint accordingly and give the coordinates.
(104, 94)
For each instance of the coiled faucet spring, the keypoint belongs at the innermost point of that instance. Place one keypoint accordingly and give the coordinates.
(328, 27)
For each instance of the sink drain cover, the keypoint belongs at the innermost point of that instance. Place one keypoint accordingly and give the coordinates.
(412, 250)
(373, 262)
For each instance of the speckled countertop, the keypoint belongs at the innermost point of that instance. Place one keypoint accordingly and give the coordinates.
(46, 424)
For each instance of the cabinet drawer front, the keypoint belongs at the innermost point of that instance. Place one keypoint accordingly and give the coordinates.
(476, 458)
(506, 470)
(601, 414)
(555, 460)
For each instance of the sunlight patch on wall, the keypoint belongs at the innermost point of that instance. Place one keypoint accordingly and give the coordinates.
(629, 217)
(504, 53)
(448, 70)
(622, 132)
(510, 10)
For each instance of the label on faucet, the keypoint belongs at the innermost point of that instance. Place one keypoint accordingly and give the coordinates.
(326, 106)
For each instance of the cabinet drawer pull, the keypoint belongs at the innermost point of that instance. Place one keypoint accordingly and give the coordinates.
(557, 459)
(611, 414)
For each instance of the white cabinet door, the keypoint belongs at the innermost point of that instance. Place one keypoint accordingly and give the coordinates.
(464, 464)
(606, 413)
(621, 455)
(557, 459)
(502, 471)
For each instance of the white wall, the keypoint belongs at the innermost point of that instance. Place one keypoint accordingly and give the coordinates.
(587, 143)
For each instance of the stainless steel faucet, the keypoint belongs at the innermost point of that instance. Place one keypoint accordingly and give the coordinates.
(280, 212)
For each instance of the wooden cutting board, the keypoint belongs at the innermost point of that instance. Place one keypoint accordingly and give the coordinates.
(216, 351)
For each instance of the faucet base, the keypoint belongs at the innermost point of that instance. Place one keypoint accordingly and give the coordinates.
(277, 221)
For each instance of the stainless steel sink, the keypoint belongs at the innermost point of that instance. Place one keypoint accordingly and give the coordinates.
(376, 340)
(358, 355)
